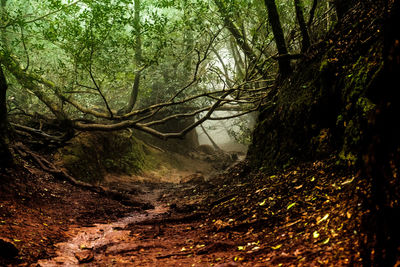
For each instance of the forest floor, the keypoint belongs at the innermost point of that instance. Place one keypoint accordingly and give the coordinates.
(307, 215)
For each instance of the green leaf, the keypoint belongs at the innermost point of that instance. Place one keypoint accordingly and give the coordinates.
(277, 247)
(323, 218)
(262, 203)
(315, 234)
(291, 205)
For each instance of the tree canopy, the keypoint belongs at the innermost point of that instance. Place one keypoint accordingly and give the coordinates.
(109, 65)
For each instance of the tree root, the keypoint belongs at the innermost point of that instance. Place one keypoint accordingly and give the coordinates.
(60, 174)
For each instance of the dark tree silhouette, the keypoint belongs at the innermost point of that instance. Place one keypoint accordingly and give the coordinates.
(305, 42)
(382, 154)
(273, 17)
(342, 6)
(5, 156)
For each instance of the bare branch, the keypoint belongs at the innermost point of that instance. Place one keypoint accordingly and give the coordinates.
(24, 45)
(96, 85)
(234, 116)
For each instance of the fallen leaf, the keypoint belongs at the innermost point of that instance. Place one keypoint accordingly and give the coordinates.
(315, 234)
(291, 205)
(277, 247)
(323, 218)
(326, 241)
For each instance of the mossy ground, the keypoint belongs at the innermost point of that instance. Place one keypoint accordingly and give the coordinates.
(89, 156)
(324, 108)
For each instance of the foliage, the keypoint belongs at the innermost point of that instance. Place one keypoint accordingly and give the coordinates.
(78, 60)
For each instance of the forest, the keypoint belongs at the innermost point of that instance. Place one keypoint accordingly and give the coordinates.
(199, 133)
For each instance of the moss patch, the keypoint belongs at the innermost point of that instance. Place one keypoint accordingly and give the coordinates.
(90, 156)
(324, 107)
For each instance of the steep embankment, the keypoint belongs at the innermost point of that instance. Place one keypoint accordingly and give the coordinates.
(323, 108)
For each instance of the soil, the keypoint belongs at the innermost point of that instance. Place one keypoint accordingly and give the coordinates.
(307, 215)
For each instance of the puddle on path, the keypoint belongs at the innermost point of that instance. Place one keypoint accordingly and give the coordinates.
(87, 240)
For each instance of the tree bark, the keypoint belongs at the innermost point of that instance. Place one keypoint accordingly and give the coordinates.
(381, 156)
(239, 38)
(305, 43)
(216, 147)
(138, 58)
(342, 6)
(312, 13)
(273, 17)
(5, 155)
(239, 64)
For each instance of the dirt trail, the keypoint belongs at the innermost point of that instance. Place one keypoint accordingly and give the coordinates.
(167, 235)
(86, 242)
(307, 215)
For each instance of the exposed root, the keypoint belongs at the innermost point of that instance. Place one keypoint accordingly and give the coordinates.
(58, 173)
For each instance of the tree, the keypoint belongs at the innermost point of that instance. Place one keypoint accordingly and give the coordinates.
(5, 155)
(312, 13)
(239, 37)
(381, 153)
(81, 64)
(273, 17)
(305, 44)
(138, 57)
(342, 6)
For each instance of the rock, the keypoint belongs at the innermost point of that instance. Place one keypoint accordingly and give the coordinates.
(7, 248)
(84, 256)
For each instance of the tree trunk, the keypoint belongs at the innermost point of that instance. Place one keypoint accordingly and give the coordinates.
(305, 44)
(216, 147)
(239, 38)
(284, 63)
(239, 64)
(138, 58)
(312, 13)
(381, 156)
(5, 155)
(342, 6)
(188, 41)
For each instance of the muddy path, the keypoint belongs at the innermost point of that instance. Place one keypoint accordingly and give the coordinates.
(88, 244)
(171, 234)
(304, 216)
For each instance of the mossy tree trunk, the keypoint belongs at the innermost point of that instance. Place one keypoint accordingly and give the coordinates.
(138, 58)
(5, 155)
(273, 17)
(381, 156)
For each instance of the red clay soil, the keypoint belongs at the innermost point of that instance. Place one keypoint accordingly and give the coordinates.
(306, 216)
(36, 210)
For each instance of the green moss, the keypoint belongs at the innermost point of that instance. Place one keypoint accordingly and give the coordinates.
(90, 156)
(324, 65)
(366, 106)
(348, 158)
